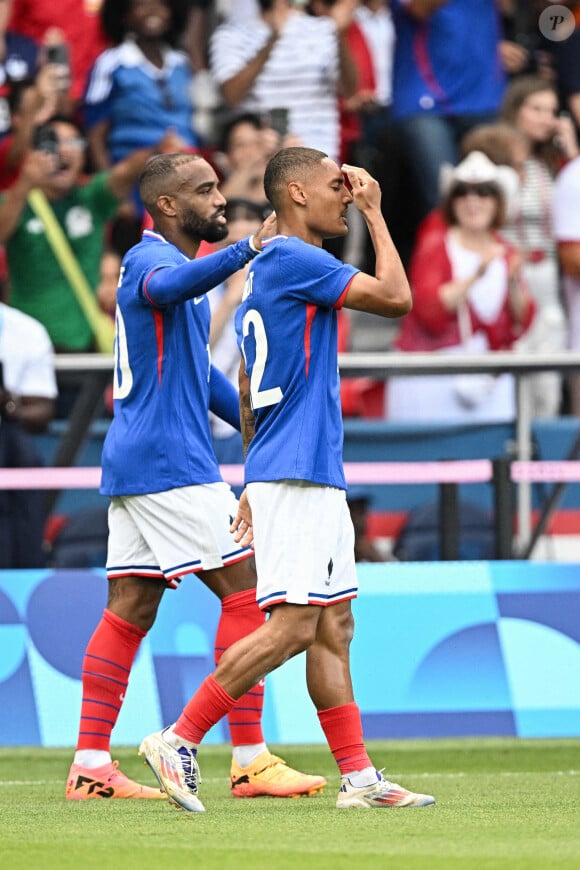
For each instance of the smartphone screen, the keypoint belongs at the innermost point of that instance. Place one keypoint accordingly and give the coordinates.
(279, 120)
(57, 54)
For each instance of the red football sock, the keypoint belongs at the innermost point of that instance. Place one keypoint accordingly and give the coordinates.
(207, 707)
(240, 616)
(342, 727)
(106, 667)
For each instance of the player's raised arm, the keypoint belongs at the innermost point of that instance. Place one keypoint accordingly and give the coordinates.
(387, 292)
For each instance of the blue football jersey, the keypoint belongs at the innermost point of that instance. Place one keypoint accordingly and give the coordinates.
(159, 438)
(287, 327)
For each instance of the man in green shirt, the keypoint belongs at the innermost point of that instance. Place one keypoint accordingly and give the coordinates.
(38, 285)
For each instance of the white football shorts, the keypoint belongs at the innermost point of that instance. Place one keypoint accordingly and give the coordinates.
(169, 534)
(303, 542)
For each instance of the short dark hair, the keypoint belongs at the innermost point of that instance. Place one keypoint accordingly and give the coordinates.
(114, 13)
(159, 175)
(288, 162)
(67, 119)
(251, 118)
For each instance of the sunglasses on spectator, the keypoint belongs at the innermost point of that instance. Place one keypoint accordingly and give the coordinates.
(483, 189)
(72, 141)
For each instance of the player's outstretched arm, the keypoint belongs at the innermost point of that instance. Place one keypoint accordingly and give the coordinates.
(223, 398)
(387, 292)
(170, 285)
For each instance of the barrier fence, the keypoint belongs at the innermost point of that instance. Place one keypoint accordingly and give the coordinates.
(357, 473)
(448, 474)
(95, 371)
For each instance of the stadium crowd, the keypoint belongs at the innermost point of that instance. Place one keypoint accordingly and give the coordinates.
(407, 89)
(143, 146)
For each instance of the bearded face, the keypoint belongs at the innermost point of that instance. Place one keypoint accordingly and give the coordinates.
(207, 229)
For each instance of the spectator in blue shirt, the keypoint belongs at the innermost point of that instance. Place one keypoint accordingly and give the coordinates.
(448, 77)
(141, 87)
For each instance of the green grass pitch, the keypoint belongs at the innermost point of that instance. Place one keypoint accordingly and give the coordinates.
(500, 803)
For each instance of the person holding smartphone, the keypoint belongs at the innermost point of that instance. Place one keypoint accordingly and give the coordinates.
(74, 22)
(58, 57)
(250, 60)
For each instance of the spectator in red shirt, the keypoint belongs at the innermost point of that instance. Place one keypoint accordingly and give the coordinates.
(80, 24)
(468, 296)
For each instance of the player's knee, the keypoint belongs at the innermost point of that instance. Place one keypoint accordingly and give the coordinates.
(339, 631)
(292, 632)
(144, 613)
(302, 636)
(136, 603)
(346, 628)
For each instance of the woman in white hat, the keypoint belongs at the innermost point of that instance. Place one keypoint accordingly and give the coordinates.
(468, 297)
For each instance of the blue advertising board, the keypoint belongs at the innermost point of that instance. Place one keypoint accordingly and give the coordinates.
(440, 649)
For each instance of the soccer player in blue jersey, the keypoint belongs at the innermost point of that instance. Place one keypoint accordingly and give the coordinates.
(170, 510)
(297, 513)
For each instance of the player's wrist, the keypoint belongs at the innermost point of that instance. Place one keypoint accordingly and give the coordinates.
(244, 251)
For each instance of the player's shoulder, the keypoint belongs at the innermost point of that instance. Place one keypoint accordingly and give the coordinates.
(154, 247)
(284, 245)
(147, 256)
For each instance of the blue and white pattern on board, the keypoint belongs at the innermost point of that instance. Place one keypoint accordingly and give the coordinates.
(467, 649)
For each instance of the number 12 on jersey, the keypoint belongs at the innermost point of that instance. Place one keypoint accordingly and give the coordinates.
(259, 398)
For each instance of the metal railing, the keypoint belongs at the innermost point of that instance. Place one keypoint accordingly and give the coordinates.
(96, 372)
(522, 366)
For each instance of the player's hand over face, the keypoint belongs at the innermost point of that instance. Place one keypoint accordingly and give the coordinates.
(365, 189)
(242, 528)
(266, 231)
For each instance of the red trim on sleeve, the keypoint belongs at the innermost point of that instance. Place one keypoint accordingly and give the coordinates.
(158, 320)
(340, 301)
(146, 284)
(310, 313)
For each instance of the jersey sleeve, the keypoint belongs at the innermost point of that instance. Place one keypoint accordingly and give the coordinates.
(172, 283)
(223, 398)
(96, 103)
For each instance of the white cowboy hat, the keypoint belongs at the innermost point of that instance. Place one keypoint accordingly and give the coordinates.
(476, 168)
